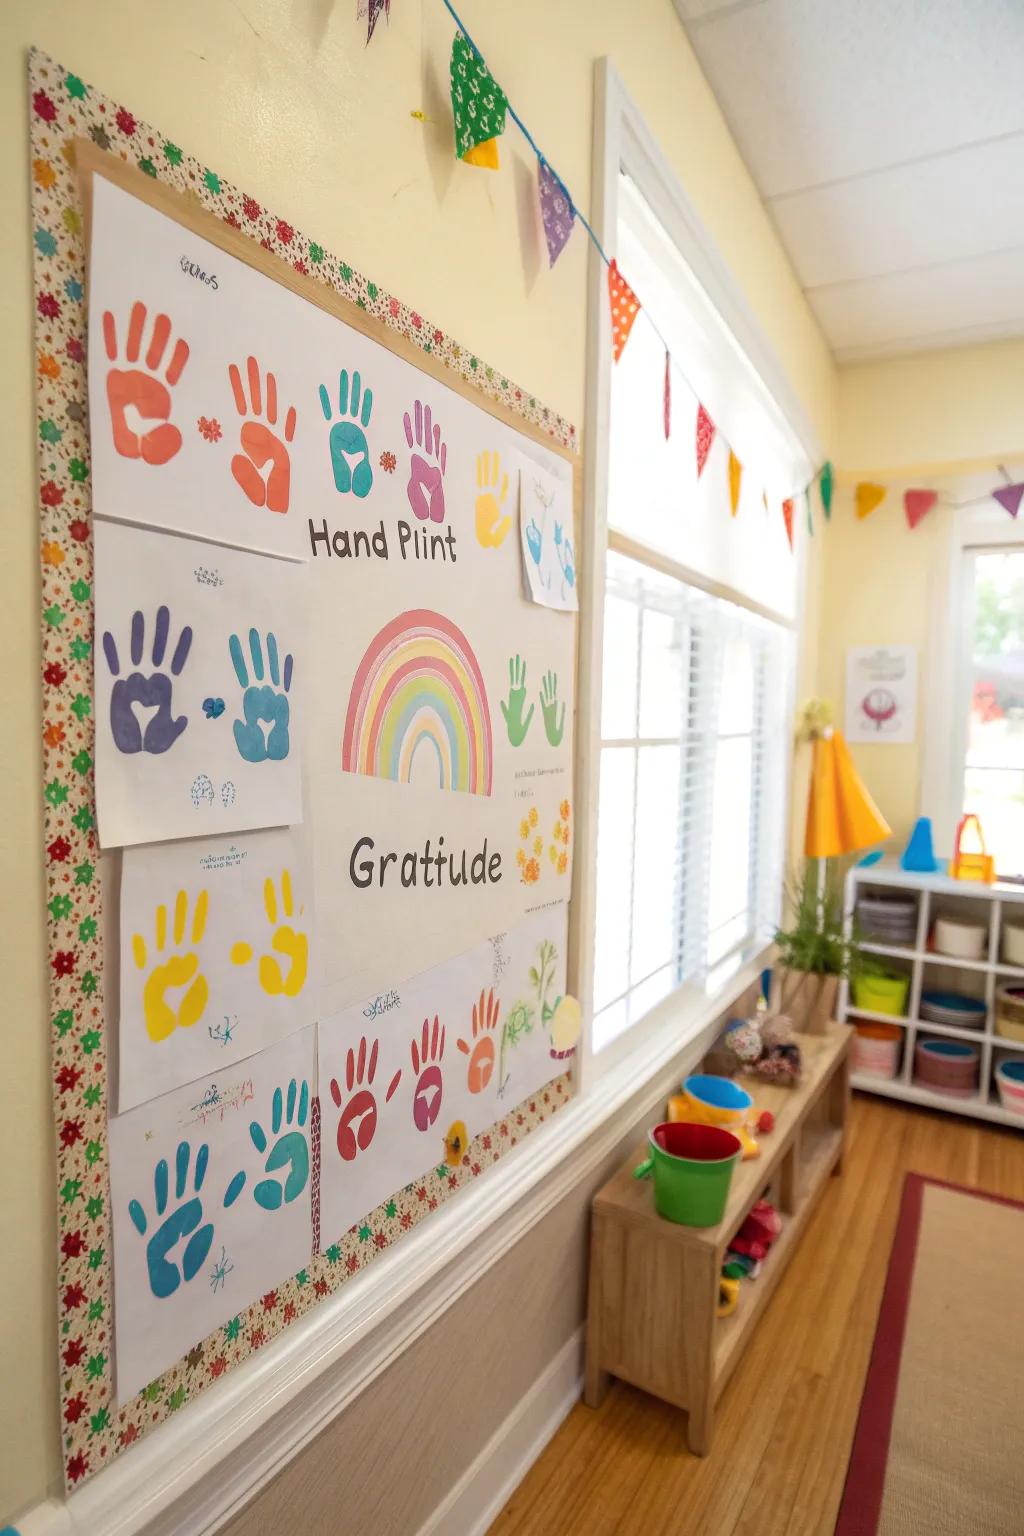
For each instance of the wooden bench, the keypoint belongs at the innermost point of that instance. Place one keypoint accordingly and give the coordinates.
(654, 1284)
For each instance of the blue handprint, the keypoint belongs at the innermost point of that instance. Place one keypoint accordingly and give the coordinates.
(186, 1220)
(348, 438)
(566, 559)
(162, 730)
(262, 704)
(535, 539)
(290, 1150)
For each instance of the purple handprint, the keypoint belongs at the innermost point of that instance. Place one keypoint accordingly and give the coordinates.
(426, 1099)
(147, 692)
(426, 480)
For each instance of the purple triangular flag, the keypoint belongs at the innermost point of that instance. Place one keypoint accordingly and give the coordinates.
(556, 211)
(1009, 497)
(373, 15)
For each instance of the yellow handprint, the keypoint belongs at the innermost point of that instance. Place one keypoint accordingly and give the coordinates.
(491, 527)
(286, 940)
(176, 971)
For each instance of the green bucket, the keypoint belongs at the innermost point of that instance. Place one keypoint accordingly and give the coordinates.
(692, 1167)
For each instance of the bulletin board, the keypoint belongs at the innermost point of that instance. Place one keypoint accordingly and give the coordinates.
(348, 812)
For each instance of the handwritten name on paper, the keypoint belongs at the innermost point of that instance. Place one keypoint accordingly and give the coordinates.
(193, 269)
(382, 1003)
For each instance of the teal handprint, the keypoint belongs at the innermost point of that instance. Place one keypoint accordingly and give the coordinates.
(554, 723)
(513, 711)
(185, 1221)
(290, 1149)
(263, 704)
(348, 437)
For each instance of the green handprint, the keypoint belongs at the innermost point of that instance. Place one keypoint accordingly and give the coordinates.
(554, 723)
(513, 711)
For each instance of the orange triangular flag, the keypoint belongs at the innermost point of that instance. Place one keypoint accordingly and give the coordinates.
(625, 306)
(917, 503)
(735, 476)
(485, 154)
(787, 518)
(868, 497)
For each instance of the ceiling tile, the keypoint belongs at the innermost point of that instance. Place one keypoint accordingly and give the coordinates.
(965, 204)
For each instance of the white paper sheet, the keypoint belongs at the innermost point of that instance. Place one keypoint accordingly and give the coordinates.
(881, 694)
(216, 956)
(200, 661)
(210, 1188)
(410, 1073)
(546, 537)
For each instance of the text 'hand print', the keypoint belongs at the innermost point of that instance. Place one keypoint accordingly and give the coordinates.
(350, 454)
(426, 479)
(143, 692)
(260, 445)
(481, 1052)
(516, 726)
(136, 397)
(290, 1150)
(427, 1054)
(263, 704)
(180, 969)
(491, 526)
(185, 1221)
(359, 1117)
(554, 722)
(288, 942)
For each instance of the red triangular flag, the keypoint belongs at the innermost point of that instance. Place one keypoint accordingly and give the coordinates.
(668, 396)
(625, 306)
(917, 504)
(787, 518)
(705, 437)
(1009, 497)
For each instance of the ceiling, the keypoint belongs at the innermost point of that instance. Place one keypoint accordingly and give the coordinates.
(886, 138)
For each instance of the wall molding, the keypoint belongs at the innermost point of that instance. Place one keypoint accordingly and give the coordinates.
(199, 1469)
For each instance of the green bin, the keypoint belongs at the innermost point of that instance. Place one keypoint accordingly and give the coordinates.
(692, 1167)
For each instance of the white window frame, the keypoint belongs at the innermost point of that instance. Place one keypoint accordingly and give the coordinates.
(944, 726)
(623, 142)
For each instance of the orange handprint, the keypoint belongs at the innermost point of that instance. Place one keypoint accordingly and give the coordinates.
(481, 1054)
(146, 398)
(259, 443)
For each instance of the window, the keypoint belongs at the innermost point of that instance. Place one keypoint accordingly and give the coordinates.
(992, 766)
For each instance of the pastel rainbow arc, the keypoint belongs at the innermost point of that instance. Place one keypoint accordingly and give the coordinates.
(419, 684)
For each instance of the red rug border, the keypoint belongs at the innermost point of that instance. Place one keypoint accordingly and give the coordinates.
(865, 1473)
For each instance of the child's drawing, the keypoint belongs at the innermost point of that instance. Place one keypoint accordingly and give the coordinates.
(492, 523)
(350, 454)
(426, 1065)
(133, 697)
(358, 1121)
(139, 402)
(427, 463)
(545, 521)
(263, 703)
(260, 440)
(481, 1050)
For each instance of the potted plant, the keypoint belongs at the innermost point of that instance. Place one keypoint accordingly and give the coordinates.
(814, 951)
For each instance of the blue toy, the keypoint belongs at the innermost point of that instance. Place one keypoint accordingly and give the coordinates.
(918, 856)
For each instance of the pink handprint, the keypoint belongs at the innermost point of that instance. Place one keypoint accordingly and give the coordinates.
(426, 1101)
(359, 1118)
(426, 480)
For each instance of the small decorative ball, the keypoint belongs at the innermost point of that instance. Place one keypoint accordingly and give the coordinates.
(745, 1041)
(765, 1122)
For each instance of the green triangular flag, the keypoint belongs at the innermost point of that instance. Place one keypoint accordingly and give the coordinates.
(478, 102)
(825, 487)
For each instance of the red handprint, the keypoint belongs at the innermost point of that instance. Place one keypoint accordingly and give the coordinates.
(426, 1100)
(481, 1053)
(259, 443)
(359, 1118)
(141, 393)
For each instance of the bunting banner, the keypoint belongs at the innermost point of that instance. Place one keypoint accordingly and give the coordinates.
(867, 497)
(625, 306)
(479, 104)
(556, 211)
(735, 479)
(374, 10)
(787, 518)
(1009, 497)
(705, 437)
(825, 485)
(668, 397)
(918, 504)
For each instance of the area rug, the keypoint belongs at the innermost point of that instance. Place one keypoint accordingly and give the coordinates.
(939, 1445)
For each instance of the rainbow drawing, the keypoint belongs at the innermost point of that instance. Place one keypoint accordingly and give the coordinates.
(419, 682)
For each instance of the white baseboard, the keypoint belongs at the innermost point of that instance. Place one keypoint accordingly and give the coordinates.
(495, 1473)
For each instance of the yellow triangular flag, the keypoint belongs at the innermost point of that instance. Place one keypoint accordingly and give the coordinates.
(485, 154)
(735, 476)
(868, 497)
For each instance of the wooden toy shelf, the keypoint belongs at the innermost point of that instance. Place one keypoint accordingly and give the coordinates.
(654, 1284)
(935, 894)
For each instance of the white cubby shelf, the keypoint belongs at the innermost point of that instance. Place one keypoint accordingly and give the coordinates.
(928, 969)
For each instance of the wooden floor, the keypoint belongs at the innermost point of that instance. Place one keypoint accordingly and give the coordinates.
(786, 1419)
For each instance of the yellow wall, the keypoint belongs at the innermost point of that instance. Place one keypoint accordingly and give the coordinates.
(880, 581)
(282, 98)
